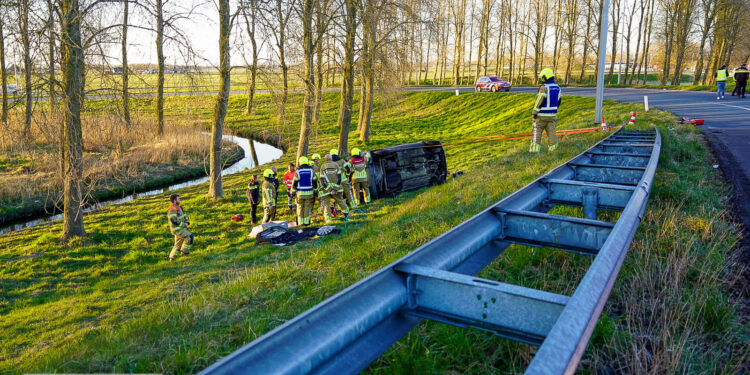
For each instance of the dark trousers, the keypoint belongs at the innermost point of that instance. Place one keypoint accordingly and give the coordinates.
(741, 86)
(253, 212)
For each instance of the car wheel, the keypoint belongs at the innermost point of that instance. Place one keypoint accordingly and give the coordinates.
(507, 90)
(477, 89)
(494, 89)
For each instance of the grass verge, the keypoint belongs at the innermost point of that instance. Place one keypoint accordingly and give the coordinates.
(111, 302)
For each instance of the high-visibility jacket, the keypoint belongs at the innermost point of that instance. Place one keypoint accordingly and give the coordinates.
(269, 192)
(177, 218)
(305, 181)
(330, 176)
(548, 99)
(345, 166)
(288, 178)
(721, 75)
(359, 164)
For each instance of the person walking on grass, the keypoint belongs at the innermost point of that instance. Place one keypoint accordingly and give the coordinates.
(268, 191)
(288, 178)
(721, 82)
(178, 223)
(545, 111)
(740, 78)
(253, 196)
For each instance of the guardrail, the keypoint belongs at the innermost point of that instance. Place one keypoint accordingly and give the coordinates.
(346, 332)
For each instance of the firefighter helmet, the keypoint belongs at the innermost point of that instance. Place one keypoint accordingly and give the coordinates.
(355, 151)
(546, 74)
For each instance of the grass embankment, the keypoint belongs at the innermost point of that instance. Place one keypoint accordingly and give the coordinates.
(111, 301)
(30, 179)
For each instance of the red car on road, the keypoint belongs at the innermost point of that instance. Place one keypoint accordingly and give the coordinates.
(491, 83)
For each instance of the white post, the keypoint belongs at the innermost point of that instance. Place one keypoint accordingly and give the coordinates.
(645, 102)
(456, 92)
(602, 56)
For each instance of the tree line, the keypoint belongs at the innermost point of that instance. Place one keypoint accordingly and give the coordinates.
(354, 45)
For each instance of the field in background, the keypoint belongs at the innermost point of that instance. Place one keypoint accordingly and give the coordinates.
(117, 159)
(111, 302)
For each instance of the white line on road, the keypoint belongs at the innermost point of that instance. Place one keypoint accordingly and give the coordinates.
(735, 106)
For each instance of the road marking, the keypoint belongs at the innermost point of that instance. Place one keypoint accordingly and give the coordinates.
(735, 106)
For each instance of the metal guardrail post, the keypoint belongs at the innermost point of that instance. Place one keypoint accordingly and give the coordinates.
(347, 331)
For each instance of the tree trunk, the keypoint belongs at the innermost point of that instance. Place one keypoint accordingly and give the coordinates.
(252, 151)
(23, 20)
(281, 44)
(51, 56)
(638, 41)
(615, 24)
(3, 72)
(160, 74)
(586, 40)
(215, 189)
(250, 28)
(370, 32)
(347, 84)
(72, 71)
(309, 77)
(125, 74)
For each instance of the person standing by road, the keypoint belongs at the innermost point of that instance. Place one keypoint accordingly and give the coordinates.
(269, 196)
(178, 223)
(253, 196)
(721, 82)
(740, 77)
(288, 178)
(545, 111)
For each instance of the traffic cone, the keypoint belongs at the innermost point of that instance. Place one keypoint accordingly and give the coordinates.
(604, 125)
(632, 119)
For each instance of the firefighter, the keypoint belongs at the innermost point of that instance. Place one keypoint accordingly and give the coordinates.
(330, 178)
(346, 174)
(740, 77)
(275, 182)
(721, 82)
(253, 196)
(288, 178)
(545, 111)
(303, 185)
(361, 177)
(178, 223)
(268, 191)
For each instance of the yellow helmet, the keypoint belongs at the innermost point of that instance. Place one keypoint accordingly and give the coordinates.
(334, 151)
(303, 160)
(268, 173)
(546, 74)
(355, 151)
(315, 157)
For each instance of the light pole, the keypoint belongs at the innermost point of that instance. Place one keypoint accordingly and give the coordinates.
(602, 56)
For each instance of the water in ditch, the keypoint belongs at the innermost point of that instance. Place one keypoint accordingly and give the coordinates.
(266, 154)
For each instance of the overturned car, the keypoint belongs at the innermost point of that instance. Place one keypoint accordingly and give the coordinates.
(406, 167)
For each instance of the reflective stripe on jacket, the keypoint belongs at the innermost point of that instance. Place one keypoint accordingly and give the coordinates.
(551, 99)
(721, 75)
(360, 168)
(304, 181)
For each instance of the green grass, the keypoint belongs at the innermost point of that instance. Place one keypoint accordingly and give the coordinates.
(111, 302)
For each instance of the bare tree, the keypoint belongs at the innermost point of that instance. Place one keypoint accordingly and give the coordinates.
(709, 10)
(160, 67)
(125, 70)
(24, 31)
(72, 66)
(3, 71)
(615, 17)
(215, 189)
(347, 84)
(250, 14)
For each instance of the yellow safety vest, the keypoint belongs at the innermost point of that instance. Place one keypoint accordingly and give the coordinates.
(721, 75)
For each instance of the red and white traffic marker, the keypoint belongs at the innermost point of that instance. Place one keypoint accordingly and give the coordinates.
(604, 125)
(632, 119)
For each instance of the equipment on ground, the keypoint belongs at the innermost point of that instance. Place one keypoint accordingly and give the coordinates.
(346, 332)
(237, 218)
